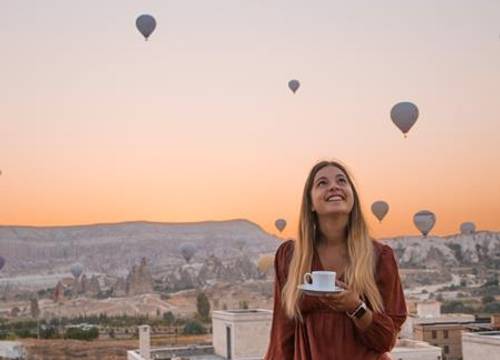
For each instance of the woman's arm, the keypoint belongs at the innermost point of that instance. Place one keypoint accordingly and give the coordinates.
(381, 332)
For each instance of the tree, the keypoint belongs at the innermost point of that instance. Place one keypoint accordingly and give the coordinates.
(488, 299)
(493, 307)
(194, 328)
(203, 306)
(456, 306)
(244, 304)
(77, 333)
(169, 318)
(493, 282)
(48, 332)
(34, 308)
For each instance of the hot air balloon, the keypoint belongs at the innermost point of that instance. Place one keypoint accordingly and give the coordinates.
(280, 224)
(76, 270)
(240, 244)
(2, 262)
(424, 221)
(265, 262)
(294, 85)
(380, 209)
(188, 251)
(404, 115)
(468, 228)
(146, 24)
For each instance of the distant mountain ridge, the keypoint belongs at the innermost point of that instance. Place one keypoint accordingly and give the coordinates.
(114, 248)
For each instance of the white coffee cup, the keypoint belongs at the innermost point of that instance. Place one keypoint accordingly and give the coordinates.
(321, 280)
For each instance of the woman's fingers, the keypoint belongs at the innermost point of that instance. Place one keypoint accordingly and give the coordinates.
(340, 284)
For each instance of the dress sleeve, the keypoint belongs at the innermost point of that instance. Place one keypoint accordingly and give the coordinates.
(382, 333)
(281, 345)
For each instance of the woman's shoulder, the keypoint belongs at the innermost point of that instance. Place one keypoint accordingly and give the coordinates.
(385, 258)
(382, 251)
(282, 259)
(285, 250)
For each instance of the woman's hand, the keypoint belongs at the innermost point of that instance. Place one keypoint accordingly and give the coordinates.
(345, 301)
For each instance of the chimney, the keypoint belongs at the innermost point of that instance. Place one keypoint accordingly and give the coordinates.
(144, 342)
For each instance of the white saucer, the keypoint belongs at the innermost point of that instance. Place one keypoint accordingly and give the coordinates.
(311, 290)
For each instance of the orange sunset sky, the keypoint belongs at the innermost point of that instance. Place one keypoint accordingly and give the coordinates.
(98, 125)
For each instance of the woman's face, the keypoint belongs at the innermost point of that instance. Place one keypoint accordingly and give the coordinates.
(331, 192)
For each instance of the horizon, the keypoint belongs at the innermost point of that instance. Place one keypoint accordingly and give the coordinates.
(274, 233)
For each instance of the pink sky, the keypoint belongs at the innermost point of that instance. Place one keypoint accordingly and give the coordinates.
(198, 124)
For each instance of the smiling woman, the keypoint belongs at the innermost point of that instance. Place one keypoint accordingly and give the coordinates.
(359, 323)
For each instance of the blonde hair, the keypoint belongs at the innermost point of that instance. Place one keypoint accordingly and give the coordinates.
(359, 272)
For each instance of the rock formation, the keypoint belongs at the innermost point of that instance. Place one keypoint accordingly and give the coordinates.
(139, 280)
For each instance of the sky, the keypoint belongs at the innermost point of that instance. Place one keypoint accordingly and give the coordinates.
(198, 124)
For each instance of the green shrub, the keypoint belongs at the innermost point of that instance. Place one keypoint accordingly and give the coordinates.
(456, 307)
(48, 332)
(81, 334)
(243, 304)
(169, 318)
(488, 299)
(194, 328)
(493, 307)
(24, 333)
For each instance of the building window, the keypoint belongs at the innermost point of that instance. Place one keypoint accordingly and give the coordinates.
(445, 333)
(446, 349)
(434, 335)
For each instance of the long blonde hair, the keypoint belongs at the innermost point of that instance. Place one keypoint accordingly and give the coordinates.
(359, 272)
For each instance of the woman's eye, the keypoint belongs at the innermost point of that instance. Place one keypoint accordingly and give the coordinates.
(342, 180)
(321, 182)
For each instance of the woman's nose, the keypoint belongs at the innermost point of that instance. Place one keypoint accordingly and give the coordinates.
(333, 186)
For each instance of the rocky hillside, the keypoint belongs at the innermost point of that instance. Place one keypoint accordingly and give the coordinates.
(455, 250)
(115, 248)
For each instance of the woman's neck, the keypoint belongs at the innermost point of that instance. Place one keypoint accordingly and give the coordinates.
(333, 231)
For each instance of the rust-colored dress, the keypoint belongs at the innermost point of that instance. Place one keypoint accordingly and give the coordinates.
(328, 335)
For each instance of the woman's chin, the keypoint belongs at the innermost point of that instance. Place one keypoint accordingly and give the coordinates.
(335, 212)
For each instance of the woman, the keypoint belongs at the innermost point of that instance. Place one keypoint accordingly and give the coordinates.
(360, 323)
